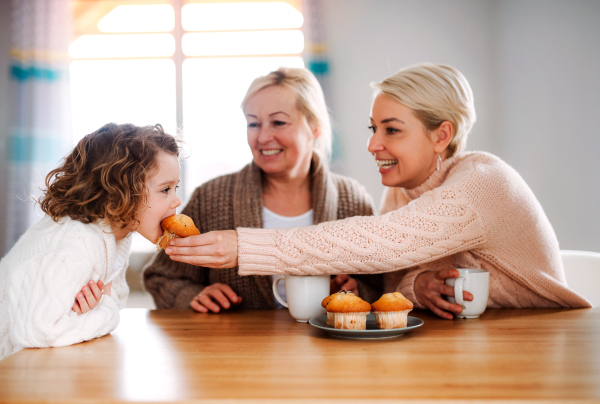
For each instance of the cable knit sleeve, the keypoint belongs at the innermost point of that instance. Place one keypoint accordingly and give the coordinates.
(393, 198)
(41, 300)
(440, 223)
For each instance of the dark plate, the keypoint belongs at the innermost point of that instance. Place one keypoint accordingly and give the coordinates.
(372, 332)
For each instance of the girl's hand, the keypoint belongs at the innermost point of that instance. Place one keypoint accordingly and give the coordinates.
(90, 296)
(215, 249)
(429, 288)
(105, 288)
(343, 282)
(217, 292)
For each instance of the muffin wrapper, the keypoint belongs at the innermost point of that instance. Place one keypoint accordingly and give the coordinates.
(391, 319)
(331, 319)
(349, 321)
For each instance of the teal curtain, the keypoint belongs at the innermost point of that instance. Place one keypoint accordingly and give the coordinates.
(40, 122)
(316, 57)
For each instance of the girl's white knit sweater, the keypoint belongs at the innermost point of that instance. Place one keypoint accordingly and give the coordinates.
(43, 272)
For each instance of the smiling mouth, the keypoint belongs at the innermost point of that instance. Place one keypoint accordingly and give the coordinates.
(270, 152)
(385, 164)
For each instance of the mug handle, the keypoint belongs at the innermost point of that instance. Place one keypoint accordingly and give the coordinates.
(276, 292)
(458, 291)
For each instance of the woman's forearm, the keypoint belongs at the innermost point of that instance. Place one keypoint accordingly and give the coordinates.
(426, 230)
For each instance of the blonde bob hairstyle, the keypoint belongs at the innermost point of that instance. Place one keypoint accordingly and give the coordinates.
(310, 101)
(436, 93)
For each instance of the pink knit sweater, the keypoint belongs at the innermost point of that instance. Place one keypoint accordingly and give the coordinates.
(476, 212)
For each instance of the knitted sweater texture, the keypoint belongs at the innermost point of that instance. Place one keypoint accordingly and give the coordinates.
(235, 200)
(43, 272)
(476, 212)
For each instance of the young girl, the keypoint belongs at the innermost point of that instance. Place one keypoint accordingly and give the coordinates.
(119, 179)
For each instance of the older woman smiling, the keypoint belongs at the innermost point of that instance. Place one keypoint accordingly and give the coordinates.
(287, 185)
(446, 209)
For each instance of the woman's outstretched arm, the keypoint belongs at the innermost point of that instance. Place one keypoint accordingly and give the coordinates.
(438, 224)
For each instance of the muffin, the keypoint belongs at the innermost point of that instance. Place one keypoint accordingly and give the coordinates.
(346, 311)
(176, 226)
(391, 310)
(331, 316)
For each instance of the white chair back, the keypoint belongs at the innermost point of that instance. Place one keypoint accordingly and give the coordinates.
(582, 269)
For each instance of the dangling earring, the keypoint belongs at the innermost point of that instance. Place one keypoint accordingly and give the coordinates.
(439, 163)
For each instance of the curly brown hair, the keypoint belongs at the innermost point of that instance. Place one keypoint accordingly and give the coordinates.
(104, 176)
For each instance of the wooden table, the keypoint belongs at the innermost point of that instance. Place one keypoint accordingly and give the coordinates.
(266, 356)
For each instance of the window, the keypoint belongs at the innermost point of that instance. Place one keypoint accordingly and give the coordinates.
(138, 62)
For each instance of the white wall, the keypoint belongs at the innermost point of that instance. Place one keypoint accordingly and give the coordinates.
(369, 40)
(549, 92)
(4, 109)
(533, 67)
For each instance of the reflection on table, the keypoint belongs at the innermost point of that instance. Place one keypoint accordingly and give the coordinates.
(179, 356)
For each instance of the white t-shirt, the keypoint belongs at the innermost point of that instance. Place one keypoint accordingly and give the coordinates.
(272, 220)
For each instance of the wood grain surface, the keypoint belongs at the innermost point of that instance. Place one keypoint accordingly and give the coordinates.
(266, 356)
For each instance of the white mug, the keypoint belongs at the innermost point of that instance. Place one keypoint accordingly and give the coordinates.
(474, 281)
(304, 295)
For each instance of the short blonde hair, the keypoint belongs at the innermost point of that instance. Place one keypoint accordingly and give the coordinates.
(310, 101)
(436, 93)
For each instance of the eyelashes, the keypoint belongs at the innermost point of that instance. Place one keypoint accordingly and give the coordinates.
(167, 189)
(253, 125)
(389, 130)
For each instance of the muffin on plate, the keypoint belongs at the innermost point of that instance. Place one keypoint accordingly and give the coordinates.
(324, 304)
(346, 311)
(391, 310)
(331, 316)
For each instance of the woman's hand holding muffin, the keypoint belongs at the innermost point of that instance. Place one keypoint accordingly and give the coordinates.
(215, 249)
(429, 288)
(214, 297)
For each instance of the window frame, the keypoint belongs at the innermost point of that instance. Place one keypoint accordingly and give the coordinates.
(178, 57)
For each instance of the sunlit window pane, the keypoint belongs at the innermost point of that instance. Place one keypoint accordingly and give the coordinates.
(243, 43)
(141, 92)
(215, 128)
(117, 46)
(240, 16)
(139, 18)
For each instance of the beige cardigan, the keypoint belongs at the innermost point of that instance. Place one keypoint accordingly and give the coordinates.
(476, 212)
(235, 200)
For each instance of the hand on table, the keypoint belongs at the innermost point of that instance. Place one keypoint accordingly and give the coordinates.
(222, 294)
(429, 288)
(90, 296)
(343, 282)
(215, 249)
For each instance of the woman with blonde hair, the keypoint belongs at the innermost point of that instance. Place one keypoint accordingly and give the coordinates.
(288, 184)
(446, 209)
